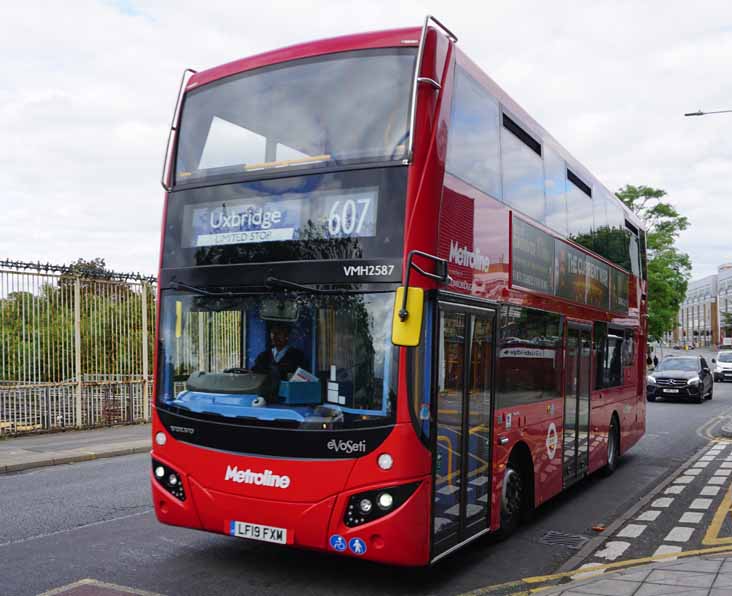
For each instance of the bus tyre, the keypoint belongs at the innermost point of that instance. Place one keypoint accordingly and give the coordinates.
(513, 498)
(613, 447)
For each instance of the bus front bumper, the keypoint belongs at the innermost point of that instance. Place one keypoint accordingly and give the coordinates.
(400, 537)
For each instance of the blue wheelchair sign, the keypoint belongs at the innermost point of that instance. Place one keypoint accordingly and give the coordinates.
(338, 542)
(357, 546)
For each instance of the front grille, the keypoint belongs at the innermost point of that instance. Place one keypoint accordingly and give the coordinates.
(671, 382)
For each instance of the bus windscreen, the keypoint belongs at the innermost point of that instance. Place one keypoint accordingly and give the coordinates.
(349, 107)
(289, 360)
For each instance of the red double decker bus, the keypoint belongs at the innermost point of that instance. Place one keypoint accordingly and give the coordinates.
(394, 313)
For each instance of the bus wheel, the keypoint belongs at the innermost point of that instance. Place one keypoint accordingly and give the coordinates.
(613, 446)
(513, 497)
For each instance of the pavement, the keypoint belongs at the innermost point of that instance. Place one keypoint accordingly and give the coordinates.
(37, 451)
(709, 575)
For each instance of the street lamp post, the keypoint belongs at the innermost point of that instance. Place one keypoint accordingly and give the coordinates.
(700, 113)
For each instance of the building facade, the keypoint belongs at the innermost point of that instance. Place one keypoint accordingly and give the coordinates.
(705, 317)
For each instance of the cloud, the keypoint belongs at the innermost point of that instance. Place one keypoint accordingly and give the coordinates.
(88, 90)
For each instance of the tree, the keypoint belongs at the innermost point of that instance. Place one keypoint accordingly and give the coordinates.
(669, 269)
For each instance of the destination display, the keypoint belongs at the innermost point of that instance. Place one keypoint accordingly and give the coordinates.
(286, 217)
(548, 265)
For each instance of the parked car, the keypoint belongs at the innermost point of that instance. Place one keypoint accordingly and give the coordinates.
(686, 377)
(723, 366)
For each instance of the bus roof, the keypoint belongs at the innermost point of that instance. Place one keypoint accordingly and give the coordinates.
(361, 41)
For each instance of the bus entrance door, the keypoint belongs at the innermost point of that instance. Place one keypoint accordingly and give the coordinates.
(463, 390)
(576, 403)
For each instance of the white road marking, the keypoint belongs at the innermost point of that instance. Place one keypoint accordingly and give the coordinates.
(701, 464)
(722, 473)
(674, 489)
(693, 472)
(691, 517)
(706, 458)
(631, 531)
(717, 480)
(684, 480)
(663, 502)
(649, 515)
(666, 549)
(612, 550)
(89, 525)
(700, 504)
(710, 491)
(679, 534)
(726, 464)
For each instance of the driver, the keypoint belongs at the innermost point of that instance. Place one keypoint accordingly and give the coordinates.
(282, 359)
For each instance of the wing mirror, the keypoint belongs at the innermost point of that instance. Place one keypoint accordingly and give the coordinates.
(406, 326)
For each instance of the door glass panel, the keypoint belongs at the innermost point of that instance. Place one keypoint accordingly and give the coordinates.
(570, 405)
(479, 416)
(450, 381)
(583, 422)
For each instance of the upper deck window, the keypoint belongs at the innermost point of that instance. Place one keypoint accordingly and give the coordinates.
(350, 107)
(523, 171)
(473, 145)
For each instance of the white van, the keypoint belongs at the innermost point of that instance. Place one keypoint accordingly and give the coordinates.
(723, 366)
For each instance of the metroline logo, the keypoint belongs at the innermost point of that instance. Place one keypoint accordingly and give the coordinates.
(462, 255)
(266, 478)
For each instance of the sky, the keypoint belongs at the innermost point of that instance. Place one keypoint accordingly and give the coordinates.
(88, 87)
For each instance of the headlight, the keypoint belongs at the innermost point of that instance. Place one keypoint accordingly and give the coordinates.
(693, 380)
(651, 380)
(385, 501)
(169, 480)
(365, 506)
(373, 504)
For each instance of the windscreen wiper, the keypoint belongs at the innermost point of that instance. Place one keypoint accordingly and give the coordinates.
(179, 285)
(270, 282)
(276, 282)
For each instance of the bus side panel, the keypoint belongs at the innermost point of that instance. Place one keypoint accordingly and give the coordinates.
(544, 432)
(539, 427)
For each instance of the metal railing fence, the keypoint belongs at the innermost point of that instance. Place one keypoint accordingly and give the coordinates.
(76, 347)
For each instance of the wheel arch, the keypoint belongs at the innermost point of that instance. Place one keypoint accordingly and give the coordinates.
(521, 454)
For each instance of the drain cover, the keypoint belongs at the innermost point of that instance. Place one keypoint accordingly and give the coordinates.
(573, 541)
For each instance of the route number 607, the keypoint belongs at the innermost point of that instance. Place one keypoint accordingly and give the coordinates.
(347, 217)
